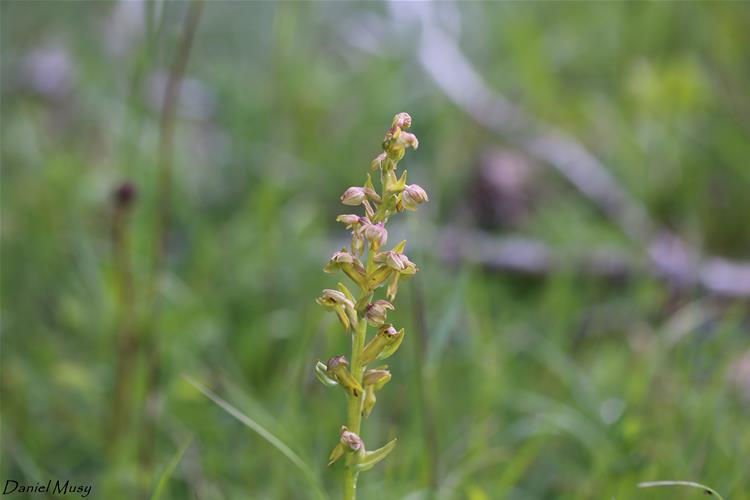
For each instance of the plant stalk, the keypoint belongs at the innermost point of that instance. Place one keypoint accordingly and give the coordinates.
(354, 412)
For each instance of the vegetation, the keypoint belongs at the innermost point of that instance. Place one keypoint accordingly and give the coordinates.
(558, 383)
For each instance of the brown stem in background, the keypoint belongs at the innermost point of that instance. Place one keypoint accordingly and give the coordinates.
(428, 418)
(163, 214)
(126, 335)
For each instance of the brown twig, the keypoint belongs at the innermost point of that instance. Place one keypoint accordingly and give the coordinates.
(126, 334)
(669, 261)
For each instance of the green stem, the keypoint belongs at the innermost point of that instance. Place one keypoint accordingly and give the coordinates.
(354, 410)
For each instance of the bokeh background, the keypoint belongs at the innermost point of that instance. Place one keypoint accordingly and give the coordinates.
(170, 180)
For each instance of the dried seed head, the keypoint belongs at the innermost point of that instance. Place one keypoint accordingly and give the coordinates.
(124, 195)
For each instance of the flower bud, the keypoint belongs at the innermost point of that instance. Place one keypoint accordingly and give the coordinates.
(412, 196)
(401, 120)
(376, 234)
(353, 196)
(377, 311)
(348, 219)
(351, 440)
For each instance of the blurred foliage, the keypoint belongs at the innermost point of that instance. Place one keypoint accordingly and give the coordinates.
(565, 386)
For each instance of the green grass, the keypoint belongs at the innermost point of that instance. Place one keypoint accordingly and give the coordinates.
(562, 387)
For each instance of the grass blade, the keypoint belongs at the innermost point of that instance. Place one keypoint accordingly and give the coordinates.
(690, 484)
(169, 470)
(264, 433)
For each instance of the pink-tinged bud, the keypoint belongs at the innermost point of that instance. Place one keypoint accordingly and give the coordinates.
(402, 120)
(376, 234)
(377, 312)
(413, 195)
(348, 219)
(351, 440)
(353, 196)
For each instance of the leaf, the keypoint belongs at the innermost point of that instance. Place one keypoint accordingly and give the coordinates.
(400, 247)
(371, 458)
(265, 434)
(690, 484)
(170, 468)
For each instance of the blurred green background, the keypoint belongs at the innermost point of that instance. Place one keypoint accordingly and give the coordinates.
(552, 382)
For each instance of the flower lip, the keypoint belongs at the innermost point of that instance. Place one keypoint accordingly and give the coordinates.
(388, 330)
